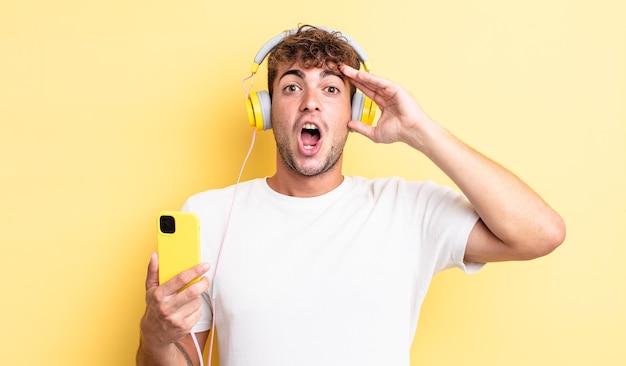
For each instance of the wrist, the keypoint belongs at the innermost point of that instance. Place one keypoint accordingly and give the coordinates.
(425, 136)
(155, 351)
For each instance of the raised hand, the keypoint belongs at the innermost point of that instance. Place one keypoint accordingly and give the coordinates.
(401, 116)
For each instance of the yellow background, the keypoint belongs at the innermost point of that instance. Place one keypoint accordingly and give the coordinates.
(111, 111)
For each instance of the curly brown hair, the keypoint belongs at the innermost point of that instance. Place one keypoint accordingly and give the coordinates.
(313, 47)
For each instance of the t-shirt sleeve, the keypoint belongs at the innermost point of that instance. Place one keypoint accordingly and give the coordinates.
(446, 219)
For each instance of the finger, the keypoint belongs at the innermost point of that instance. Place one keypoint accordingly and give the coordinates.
(192, 292)
(348, 70)
(152, 278)
(182, 279)
(189, 307)
(375, 87)
(182, 310)
(362, 128)
(171, 306)
(365, 79)
(175, 322)
(185, 323)
(353, 75)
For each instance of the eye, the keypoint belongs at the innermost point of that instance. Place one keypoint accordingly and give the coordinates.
(291, 88)
(332, 89)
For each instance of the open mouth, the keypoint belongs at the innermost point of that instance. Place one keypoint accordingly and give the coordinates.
(310, 136)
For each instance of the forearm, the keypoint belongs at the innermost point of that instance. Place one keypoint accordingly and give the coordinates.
(510, 209)
(153, 352)
(173, 354)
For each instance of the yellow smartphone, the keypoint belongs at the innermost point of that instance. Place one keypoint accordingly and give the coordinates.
(178, 243)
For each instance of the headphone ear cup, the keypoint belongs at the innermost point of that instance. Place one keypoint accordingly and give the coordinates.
(363, 108)
(357, 106)
(259, 108)
(369, 111)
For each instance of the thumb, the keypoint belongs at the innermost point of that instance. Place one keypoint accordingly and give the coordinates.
(362, 128)
(152, 278)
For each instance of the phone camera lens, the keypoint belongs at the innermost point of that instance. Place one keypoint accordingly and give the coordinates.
(167, 224)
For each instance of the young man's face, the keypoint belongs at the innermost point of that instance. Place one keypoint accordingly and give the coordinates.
(310, 114)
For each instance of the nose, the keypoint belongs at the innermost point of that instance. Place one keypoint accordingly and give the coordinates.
(310, 101)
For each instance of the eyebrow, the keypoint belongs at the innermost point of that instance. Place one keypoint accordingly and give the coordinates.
(323, 74)
(295, 72)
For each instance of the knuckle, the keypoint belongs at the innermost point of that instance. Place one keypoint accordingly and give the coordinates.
(194, 291)
(158, 296)
(164, 312)
(195, 304)
(181, 280)
(180, 326)
(193, 318)
(154, 297)
(185, 277)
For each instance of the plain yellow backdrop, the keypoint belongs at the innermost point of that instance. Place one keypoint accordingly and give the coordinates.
(111, 111)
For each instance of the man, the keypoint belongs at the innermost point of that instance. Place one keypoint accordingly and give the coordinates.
(323, 269)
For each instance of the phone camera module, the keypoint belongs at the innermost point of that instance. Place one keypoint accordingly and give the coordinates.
(167, 224)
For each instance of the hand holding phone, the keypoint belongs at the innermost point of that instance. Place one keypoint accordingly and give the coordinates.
(178, 242)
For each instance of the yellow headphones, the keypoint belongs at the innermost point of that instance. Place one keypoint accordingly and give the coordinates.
(259, 105)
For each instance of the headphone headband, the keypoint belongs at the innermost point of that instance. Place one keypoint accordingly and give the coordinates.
(272, 43)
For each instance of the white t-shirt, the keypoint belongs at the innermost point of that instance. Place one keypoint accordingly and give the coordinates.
(337, 279)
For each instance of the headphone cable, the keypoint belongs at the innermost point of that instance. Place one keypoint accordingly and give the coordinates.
(219, 253)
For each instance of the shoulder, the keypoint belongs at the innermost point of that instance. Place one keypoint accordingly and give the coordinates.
(397, 185)
(420, 197)
(219, 197)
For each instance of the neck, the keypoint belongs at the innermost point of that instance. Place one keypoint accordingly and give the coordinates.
(290, 183)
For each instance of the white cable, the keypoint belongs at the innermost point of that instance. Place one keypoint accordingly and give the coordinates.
(213, 296)
(219, 253)
(195, 341)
